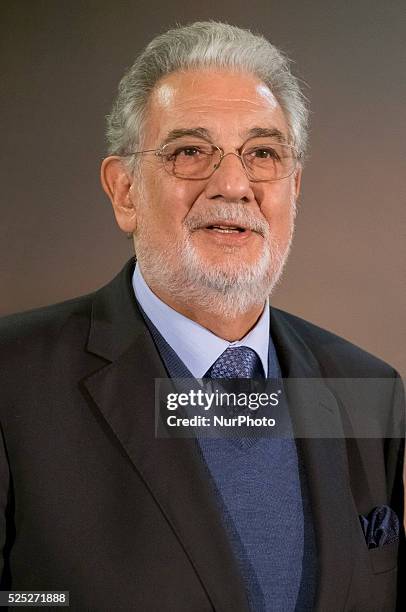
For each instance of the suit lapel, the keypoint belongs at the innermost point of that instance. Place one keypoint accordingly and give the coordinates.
(324, 460)
(171, 469)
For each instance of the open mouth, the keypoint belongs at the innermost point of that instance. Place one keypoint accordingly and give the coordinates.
(226, 229)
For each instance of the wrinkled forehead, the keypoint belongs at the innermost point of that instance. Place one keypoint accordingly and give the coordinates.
(220, 101)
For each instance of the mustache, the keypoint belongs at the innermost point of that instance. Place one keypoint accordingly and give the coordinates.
(235, 214)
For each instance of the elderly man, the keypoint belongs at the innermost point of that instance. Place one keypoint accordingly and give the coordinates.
(207, 138)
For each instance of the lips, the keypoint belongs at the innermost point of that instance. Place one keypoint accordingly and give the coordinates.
(226, 229)
(224, 226)
(227, 220)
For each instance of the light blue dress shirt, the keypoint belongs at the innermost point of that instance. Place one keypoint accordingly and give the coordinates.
(195, 345)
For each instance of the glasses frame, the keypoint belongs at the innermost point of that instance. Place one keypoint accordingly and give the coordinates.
(161, 153)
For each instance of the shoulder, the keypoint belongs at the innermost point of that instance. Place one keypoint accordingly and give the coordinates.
(42, 326)
(43, 353)
(336, 356)
(62, 330)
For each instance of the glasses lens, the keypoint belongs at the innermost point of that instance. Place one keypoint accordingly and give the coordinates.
(268, 161)
(193, 160)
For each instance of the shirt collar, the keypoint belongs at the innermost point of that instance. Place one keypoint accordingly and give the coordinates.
(195, 345)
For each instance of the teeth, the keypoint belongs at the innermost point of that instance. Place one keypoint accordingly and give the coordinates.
(228, 229)
(225, 230)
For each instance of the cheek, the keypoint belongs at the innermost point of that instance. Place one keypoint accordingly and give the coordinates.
(277, 206)
(167, 202)
(173, 197)
(276, 201)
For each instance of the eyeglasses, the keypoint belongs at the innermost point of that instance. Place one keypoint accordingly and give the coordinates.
(262, 159)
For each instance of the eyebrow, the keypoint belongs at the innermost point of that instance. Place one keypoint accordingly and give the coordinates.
(260, 132)
(201, 132)
(198, 132)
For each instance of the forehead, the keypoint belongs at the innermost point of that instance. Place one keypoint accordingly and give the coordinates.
(227, 104)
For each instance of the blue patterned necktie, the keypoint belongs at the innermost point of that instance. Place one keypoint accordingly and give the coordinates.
(236, 362)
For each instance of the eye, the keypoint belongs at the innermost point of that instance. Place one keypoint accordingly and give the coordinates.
(188, 151)
(263, 153)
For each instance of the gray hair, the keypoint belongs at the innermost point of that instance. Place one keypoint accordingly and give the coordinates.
(203, 44)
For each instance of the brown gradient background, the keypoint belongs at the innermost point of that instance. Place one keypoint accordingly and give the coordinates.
(61, 61)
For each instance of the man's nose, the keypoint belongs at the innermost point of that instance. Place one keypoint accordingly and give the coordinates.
(230, 181)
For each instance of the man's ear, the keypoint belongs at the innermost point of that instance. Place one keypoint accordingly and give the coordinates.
(117, 183)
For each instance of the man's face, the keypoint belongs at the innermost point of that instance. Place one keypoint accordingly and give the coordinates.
(174, 245)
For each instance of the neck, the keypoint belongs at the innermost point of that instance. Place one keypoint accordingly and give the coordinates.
(227, 328)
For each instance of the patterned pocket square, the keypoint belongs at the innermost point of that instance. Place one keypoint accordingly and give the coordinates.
(380, 527)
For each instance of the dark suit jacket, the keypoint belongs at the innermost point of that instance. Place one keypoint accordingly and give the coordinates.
(93, 503)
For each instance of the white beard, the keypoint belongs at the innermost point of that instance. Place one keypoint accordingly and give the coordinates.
(228, 288)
